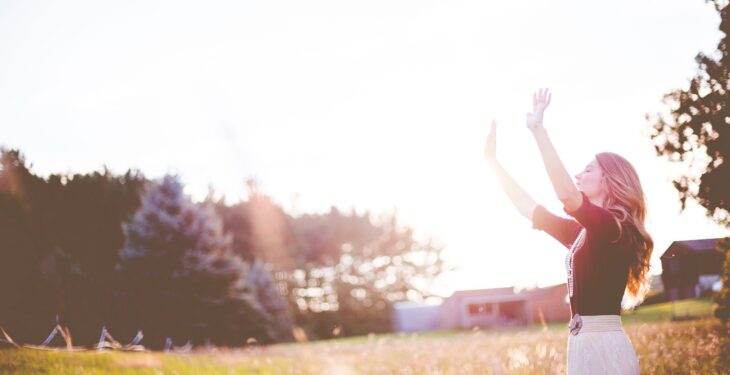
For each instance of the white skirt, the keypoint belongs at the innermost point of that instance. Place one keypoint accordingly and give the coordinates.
(600, 346)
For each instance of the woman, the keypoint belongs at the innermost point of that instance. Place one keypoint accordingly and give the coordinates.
(609, 248)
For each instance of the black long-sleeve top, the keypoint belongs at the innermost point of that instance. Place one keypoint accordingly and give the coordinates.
(600, 264)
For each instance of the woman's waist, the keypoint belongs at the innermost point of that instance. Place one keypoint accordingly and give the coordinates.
(595, 323)
(592, 301)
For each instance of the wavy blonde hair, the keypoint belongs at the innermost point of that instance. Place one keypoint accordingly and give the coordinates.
(625, 199)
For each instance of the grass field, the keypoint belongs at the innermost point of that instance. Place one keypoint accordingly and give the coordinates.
(663, 346)
(685, 309)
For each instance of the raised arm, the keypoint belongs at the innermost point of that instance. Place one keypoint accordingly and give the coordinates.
(517, 195)
(562, 183)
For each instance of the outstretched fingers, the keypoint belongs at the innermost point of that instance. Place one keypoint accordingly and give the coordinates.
(542, 96)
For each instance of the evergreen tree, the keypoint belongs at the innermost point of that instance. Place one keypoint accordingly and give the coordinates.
(272, 300)
(184, 277)
(59, 241)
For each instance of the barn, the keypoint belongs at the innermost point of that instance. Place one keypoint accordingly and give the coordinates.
(690, 268)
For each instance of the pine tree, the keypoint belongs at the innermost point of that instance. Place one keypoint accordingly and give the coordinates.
(184, 276)
(272, 301)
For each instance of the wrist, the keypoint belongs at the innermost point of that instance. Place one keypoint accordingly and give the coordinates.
(538, 131)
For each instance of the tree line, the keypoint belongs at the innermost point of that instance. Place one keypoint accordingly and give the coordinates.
(128, 252)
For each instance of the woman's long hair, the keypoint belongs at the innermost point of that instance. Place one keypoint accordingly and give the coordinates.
(625, 199)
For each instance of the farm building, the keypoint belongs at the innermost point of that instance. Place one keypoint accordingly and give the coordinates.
(485, 308)
(690, 268)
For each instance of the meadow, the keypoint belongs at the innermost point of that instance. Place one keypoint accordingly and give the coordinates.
(695, 344)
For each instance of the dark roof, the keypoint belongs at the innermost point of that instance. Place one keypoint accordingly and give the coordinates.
(695, 246)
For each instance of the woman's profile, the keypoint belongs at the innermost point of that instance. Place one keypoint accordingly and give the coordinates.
(608, 247)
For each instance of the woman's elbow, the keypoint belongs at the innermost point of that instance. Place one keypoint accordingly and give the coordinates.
(571, 200)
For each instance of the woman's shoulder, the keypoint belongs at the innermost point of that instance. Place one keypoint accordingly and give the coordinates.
(617, 228)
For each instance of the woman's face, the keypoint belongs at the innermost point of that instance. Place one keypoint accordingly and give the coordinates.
(589, 181)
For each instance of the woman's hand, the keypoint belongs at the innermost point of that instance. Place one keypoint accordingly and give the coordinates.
(490, 150)
(540, 101)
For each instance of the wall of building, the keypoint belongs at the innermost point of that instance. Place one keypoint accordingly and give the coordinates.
(416, 318)
(551, 304)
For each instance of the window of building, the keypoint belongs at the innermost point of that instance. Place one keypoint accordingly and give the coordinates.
(480, 309)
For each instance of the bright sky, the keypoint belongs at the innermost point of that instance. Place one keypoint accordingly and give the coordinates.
(376, 105)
